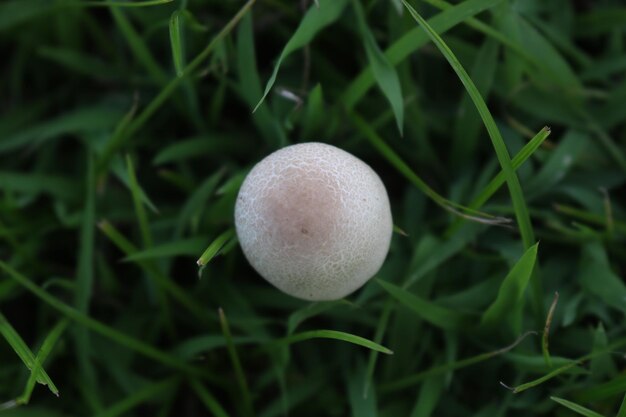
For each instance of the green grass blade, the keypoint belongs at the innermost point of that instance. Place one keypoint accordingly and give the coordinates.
(163, 281)
(601, 392)
(79, 121)
(402, 167)
(361, 406)
(384, 73)
(316, 19)
(19, 346)
(512, 290)
(598, 279)
(578, 409)
(80, 63)
(250, 85)
(502, 153)
(214, 247)
(429, 396)
(121, 172)
(118, 140)
(123, 339)
(138, 47)
(426, 310)
(84, 283)
(210, 402)
(448, 367)
(239, 373)
(196, 147)
(600, 20)
(140, 210)
(310, 310)
(186, 247)
(570, 150)
(411, 42)
(622, 408)
(331, 334)
(104, 3)
(524, 45)
(140, 396)
(192, 209)
(467, 128)
(618, 344)
(176, 42)
(40, 360)
(59, 187)
(544, 378)
(381, 329)
(494, 185)
(15, 12)
(433, 252)
(515, 189)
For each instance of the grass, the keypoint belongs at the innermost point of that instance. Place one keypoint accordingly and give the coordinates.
(127, 127)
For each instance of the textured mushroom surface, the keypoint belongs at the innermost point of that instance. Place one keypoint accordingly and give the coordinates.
(314, 221)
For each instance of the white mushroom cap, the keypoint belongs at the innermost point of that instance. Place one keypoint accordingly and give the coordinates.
(314, 221)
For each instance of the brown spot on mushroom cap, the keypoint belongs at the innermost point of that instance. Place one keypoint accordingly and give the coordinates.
(314, 221)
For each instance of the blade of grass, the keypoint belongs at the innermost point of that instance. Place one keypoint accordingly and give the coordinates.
(618, 344)
(412, 41)
(208, 399)
(361, 406)
(120, 139)
(316, 19)
(494, 185)
(512, 290)
(601, 392)
(250, 85)
(34, 183)
(381, 328)
(448, 367)
(140, 210)
(140, 396)
(119, 169)
(104, 3)
(544, 378)
(16, 12)
(384, 73)
(467, 127)
(234, 357)
(40, 360)
(310, 310)
(187, 247)
(191, 210)
(535, 50)
(176, 42)
(397, 162)
(213, 249)
(622, 408)
(426, 310)
(330, 334)
(515, 189)
(165, 282)
(599, 280)
(123, 339)
(138, 47)
(19, 346)
(84, 286)
(76, 121)
(579, 409)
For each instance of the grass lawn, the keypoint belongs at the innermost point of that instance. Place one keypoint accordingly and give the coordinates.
(128, 126)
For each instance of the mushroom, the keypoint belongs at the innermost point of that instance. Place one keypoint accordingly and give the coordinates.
(314, 221)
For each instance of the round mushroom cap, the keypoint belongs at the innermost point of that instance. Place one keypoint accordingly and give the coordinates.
(314, 221)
